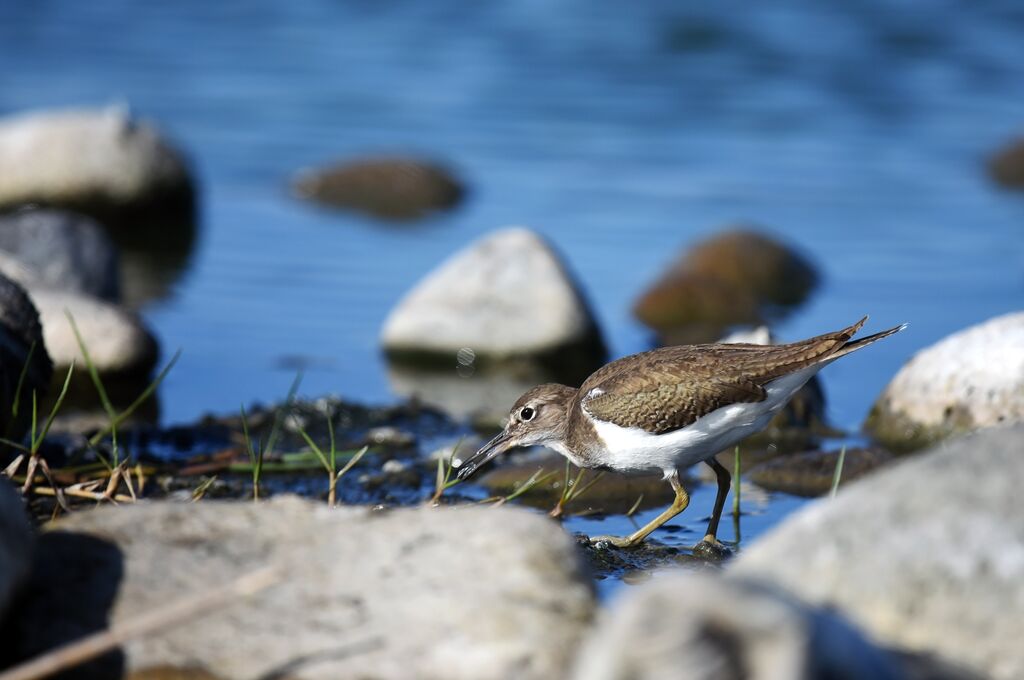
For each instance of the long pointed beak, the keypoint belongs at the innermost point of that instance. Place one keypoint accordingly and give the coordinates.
(503, 442)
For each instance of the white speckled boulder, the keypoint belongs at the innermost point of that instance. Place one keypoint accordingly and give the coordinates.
(447, 593)
(973, 378)
(927, 555)
(507, 295)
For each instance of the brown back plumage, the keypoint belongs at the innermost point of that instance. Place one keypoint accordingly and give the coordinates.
(669, 388)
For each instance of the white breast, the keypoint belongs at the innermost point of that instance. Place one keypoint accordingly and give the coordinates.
(633, 450)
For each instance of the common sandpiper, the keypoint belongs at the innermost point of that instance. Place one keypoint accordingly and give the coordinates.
(667, 409)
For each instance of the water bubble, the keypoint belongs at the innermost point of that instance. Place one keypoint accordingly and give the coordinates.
(466, 356)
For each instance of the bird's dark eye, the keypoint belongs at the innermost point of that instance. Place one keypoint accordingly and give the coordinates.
(526, 413)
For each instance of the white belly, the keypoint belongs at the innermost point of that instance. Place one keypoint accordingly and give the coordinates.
(631, 449)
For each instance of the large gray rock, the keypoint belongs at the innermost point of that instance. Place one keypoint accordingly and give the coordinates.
(99, 161)
(16, 541)
(61, 250)
(419, 593)
(21, 341)
(703, 626)
(927, 555)
(505, 296)
(973, 378)
(117, 340)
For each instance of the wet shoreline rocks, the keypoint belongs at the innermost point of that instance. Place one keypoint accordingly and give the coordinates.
(973, 378)
(425, 592)
(738, 276)
(102, 162)
(926, 555)
(387, 187)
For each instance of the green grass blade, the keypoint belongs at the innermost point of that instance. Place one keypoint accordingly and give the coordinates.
(328, 464)
(838, 474)
(21, 381)
(352, 461)
(119, 418)
(282, 412)
(53, 411)
(535, 479)
(93, 373)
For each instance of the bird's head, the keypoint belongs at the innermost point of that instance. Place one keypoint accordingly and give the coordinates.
(538, 418)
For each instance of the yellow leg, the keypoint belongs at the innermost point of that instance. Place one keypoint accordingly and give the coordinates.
(678, 505)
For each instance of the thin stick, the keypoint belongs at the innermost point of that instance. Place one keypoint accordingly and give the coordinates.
(89, 647)
(80, 493)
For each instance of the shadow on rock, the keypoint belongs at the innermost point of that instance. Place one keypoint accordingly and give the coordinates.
(74, 583)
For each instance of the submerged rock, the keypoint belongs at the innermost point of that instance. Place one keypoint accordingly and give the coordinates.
(973, 378)
(16, 543)
(1006, 166)
(21, 341)
(102, 162)
(60, 250)
(927, 555)
(737, 277)
(428, 592)
(117, 340)
(704, 626)
(506, 298)
(396, 188)
(811, 473)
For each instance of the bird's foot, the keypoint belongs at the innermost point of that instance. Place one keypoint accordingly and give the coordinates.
(711, 549)
(614, 541)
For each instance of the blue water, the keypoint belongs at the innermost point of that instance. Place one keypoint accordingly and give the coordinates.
(622, 131)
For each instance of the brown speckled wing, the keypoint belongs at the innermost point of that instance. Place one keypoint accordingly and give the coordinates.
(669, 388)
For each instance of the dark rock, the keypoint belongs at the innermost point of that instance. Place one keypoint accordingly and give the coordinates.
(59, 250)
(1006, 166)
(737, 277)
(16, 544)
(811, 473)
(21, 343)
(971, 379)
(396, 188)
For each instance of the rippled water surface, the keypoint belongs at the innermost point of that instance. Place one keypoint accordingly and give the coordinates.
(622, 131)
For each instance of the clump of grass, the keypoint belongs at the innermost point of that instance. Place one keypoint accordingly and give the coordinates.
(838, 474)
(255, 456)
(36, 435)
(329, 461)
(443, 480)
(538, 477)
(572, 490)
